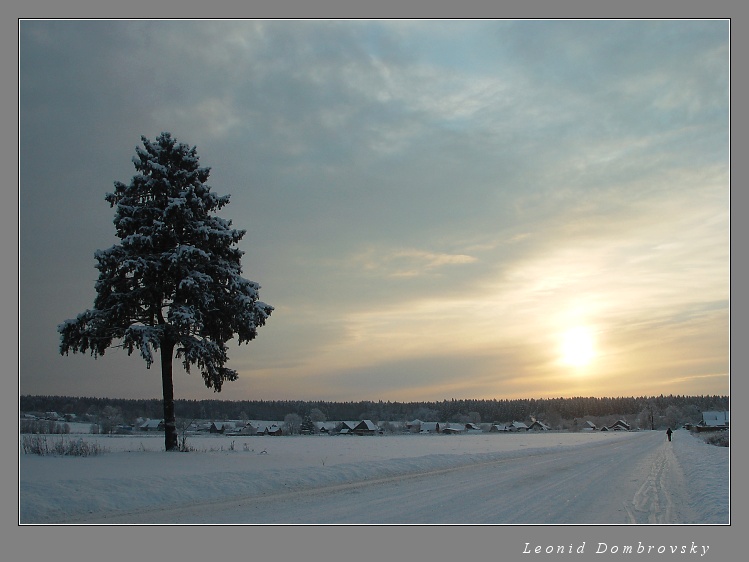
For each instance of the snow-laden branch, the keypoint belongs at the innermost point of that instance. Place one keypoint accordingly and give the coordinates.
(175, 278)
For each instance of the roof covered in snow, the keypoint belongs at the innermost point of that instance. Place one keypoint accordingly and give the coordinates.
(715, 419)
(367, 425)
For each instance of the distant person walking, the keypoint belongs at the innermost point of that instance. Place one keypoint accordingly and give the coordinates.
(668, 433)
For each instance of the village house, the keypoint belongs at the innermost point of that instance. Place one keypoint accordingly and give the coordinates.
(451, 428)
(365, 427)
(346, 427)
(538, 426)
(618, 425)
(429, 427)
(713, 421)
(152, 425)
(274, 430)
(221, 427)
(517, 426)
(247, 429)
(414, 426)
(326, 426)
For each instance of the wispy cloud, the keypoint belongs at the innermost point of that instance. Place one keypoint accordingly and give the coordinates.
(408, 262)
(429, 204)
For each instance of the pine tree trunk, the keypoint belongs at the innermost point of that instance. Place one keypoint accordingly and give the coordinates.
(170, 425)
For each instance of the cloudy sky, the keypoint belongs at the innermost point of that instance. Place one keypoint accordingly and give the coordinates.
(436, 209)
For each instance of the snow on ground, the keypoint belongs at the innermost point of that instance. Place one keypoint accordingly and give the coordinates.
(135, 475)
(706, 468)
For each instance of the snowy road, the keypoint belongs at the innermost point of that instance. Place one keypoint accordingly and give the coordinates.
(637, 480)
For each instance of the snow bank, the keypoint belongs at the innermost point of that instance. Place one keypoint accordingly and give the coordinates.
(706, 468)
(136, 475)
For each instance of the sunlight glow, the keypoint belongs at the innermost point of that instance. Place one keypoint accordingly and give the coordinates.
(577, 348)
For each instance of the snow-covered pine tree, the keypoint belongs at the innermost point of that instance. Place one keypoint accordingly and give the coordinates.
(174, 283)
(307, 427)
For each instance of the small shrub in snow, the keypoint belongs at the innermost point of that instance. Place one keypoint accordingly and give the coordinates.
(44, 426)
(720, 439)
(40, 445)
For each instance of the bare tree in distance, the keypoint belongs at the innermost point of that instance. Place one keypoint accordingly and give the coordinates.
(292, 423)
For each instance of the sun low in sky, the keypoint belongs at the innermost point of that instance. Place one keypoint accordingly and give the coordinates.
(577, 347)
(436, 209)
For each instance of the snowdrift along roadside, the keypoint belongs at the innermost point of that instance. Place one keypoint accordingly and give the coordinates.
(135, 475)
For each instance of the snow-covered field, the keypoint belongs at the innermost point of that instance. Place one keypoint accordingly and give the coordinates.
(253, 479)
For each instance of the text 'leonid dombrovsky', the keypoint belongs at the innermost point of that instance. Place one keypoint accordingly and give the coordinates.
(605, 548)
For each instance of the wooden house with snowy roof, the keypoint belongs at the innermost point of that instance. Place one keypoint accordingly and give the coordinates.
(452, 428)
(618, 425)
(247, 429)
(429, 427)
(713, 421)
(414, 426)
(221, 427)
(152, 425)
(325, 426)
(517, 426)
(346, 427)
(272, 430)
(365, 427)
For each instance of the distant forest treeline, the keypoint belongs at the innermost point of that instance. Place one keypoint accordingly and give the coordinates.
(496, 410)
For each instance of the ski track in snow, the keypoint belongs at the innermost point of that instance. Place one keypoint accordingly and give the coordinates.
(627, 478)
(661, 497)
